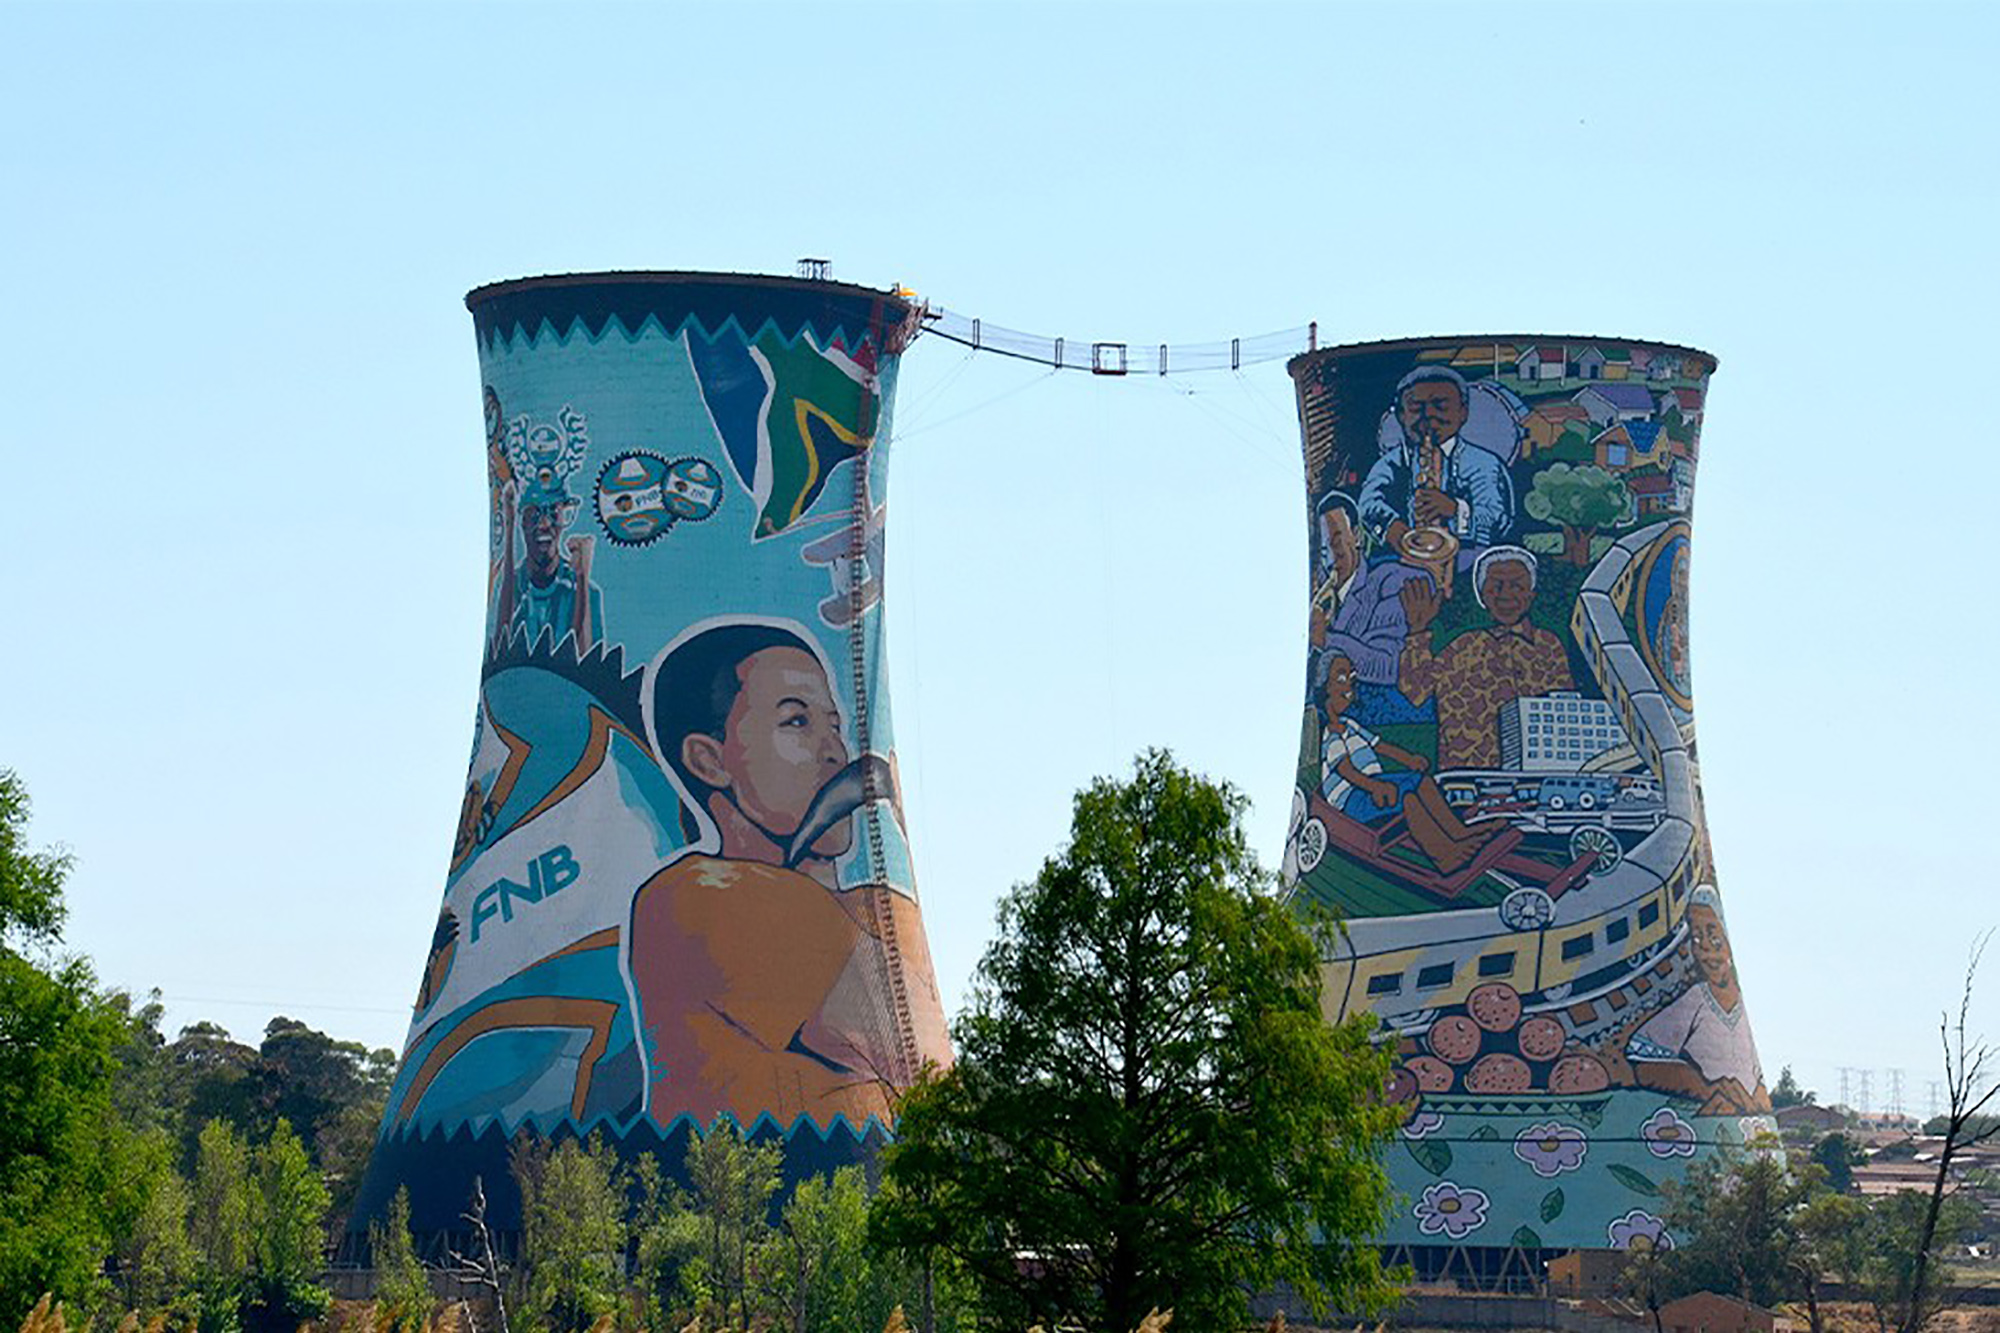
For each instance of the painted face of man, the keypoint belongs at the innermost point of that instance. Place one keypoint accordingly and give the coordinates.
(782, 743)
(1343, 547)
(1431, 410)
(1712, 953)
(541, 532)
(1509, 590)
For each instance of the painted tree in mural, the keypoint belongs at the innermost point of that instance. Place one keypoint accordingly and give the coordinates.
(1147, 1098)
(1581, 499)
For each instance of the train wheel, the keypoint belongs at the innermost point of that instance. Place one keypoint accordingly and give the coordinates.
(1597, 844)
(1312, 844)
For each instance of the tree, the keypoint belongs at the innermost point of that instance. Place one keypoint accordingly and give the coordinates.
(1733, 1219)
(403, 1300)
(155, 1257)
(572, 1231)
(1833, 1242)
(1581, 499)
(67, 1179)
(816, 1263)
(1789, 1093)
(314, 1081)
(221, 1225)
(1148, 1108)
(1837, 1155)
(482, 1267)
(289, 1204)
(732, 1182)
(667, 1247)
(1968, 1088)
(1903, 1274)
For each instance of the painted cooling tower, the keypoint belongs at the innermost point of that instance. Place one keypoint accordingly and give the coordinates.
(680, 890)
(1497, 782)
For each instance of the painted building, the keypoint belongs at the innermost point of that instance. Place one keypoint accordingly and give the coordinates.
(1556, 733)
(680, 890)
(1498, 788)
(1608, 403)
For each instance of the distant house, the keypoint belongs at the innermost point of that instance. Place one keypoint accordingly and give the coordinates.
(1875, 1178)
(1618, 364)
(1820, 1119)
(1543, 363)
(1588, 1274)
(1589, 364)
(1663, 366)
(1712, 1312)
(1607, 403)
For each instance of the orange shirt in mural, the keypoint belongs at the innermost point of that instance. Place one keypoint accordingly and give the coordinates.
(760, 990)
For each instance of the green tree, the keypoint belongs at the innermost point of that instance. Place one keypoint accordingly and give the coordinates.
(1734, 1222)
(1580, 499)
(1837, 1155)
(156, 1258)
(1833, 1242)
(1903, 1275)
(1148, 1108)
(573, 1231)
(67, 1183)
(403, 1300)
(732, 1182)
(221, 1226)
(1787, 1091)
(816, 1264)
(667, 1248)
(289, 1204)
(323, 1086)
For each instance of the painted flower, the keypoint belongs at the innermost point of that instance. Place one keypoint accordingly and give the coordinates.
(1639, 1230)
(1422, 1122)
(1447, 1208)
(1667, 1135)
(1551, 1149)
(1755, 1127)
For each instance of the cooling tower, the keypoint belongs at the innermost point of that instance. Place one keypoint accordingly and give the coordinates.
(1497, 783)
(680, 889)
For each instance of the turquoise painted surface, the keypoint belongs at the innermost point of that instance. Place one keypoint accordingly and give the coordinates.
(680, 889)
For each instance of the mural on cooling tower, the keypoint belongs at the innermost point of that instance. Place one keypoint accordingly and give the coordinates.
(1497, 780)
(680, 888)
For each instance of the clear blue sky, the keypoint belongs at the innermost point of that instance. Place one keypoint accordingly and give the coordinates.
(245, 486)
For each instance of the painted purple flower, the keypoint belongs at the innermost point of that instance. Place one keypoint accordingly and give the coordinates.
(1639, 1230)
(1446, 1207)
(1551, 1149)
(1421, 1123)
(1667, 1135)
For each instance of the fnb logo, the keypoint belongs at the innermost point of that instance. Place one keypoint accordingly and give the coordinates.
(548, 874)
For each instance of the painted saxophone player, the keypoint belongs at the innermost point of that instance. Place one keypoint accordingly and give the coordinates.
(1498, 787)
